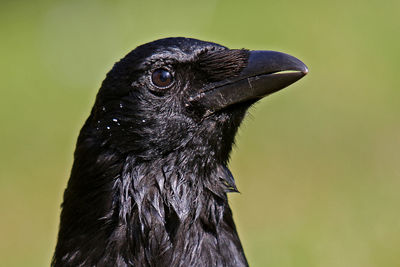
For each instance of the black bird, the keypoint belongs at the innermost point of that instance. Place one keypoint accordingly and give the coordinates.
(149, 182)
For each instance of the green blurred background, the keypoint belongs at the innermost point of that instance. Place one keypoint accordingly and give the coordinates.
(317, 164)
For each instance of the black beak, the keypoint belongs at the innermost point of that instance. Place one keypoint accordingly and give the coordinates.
(266, 72)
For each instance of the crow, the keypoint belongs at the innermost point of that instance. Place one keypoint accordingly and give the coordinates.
(149, 182)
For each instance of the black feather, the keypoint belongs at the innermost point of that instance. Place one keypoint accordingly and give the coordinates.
(149, 181)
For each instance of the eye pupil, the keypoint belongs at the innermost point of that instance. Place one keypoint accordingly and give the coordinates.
(162, 78)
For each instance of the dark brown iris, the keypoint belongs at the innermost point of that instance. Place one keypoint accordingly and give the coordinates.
(162, 78)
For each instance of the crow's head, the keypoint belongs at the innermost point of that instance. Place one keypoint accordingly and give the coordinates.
(177, 94)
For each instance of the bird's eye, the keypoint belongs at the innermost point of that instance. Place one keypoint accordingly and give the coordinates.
(162, 78)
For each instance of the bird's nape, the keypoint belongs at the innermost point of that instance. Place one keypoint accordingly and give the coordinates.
(149, 182)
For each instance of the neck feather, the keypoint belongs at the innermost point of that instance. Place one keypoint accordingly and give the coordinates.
(123, 211)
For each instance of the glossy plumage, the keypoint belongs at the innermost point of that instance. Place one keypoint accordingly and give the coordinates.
(149, 181)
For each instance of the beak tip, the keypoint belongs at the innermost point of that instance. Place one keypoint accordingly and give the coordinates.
(300, 66)
(305, 70)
